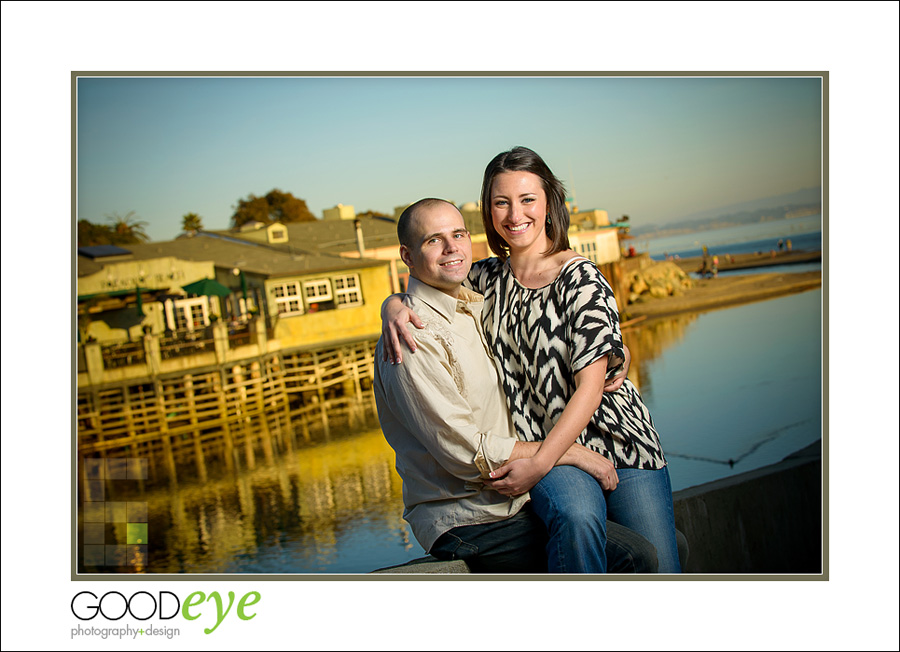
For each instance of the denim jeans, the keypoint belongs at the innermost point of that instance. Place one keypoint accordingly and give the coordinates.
(642, 502)
(513, 545)
(520, 545)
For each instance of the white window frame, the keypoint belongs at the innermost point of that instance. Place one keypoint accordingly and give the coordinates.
(290, 303)
(184, 308)
(321, 291)
(349, 296)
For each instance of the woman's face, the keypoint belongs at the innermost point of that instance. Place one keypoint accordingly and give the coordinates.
(519, 210)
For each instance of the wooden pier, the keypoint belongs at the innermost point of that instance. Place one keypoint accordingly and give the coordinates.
(231, 412)
(752, 260)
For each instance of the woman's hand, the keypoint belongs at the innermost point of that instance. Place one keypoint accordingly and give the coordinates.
(394, 316)
(601, 469)
(516, 477)
(618, 380)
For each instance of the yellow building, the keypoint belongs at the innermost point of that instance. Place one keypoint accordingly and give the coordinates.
(140, 313)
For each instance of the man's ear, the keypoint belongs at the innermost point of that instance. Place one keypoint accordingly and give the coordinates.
(405, 257)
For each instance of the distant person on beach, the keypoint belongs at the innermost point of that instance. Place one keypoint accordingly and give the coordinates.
(444, 413)
(789, 244)
(780, 244)
(552, 323)
(715, 266)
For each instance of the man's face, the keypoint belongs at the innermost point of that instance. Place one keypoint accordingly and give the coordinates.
(440, 250)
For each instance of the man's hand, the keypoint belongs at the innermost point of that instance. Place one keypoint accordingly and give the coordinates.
(516, 477)
(619, 379)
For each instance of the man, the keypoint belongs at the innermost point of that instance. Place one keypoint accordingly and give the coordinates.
(444, 414)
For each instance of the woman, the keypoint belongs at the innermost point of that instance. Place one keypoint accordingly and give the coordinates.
(551, 319)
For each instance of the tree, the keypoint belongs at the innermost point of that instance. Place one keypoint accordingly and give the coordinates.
(122, 230)
(127, 229)
(191, 222)
(90, 234)
(276, 206)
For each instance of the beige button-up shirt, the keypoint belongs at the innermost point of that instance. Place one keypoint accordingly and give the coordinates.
(444, 413)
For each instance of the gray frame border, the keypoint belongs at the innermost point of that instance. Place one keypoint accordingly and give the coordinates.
(75, 576)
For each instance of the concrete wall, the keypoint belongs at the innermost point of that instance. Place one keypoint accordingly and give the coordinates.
(764, 521)
(767, 521)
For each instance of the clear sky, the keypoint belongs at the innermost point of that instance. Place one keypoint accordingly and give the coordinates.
(654, 148)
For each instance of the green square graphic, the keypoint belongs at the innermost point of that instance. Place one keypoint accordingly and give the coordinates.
(94, 533)
(137, 533)
(94, 555)
(116, 513)
(137, 512)
(94, 512)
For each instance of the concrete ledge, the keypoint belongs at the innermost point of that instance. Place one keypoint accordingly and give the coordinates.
(429, 566)
(766, 521)
(769, 520)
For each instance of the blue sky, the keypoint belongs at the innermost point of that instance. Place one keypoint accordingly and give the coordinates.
(655, 148)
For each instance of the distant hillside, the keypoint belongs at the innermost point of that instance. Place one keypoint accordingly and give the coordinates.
(796, 204)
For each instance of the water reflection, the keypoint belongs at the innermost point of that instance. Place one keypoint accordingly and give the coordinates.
(733, 390)
(332, 507)
(730, 391)
(647, 341)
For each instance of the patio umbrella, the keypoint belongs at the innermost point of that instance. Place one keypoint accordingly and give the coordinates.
(208, 287)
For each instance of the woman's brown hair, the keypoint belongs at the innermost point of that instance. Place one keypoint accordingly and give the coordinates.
(522, 159)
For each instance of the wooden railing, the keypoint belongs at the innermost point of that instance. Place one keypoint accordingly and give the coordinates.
(239, 335)
(122, 354)
(182, 343)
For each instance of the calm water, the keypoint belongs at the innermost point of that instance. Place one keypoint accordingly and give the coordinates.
(734, 389)
(805, 233)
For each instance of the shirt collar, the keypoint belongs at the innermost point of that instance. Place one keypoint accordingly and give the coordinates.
(441, 302)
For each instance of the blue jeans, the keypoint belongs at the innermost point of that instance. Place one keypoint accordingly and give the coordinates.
(642, 503)
(520, 544)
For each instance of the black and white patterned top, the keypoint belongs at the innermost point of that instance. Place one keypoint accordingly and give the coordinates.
(543, 337)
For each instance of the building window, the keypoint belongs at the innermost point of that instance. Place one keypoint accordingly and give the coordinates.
(589, 250)
(288, 300)
(187, 314)
(346, 291)
(278, 235)
(317, 291)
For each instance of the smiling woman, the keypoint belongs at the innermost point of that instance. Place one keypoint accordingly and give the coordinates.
(551, 322)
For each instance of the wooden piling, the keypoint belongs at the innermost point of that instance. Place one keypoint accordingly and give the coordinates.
(215, 411)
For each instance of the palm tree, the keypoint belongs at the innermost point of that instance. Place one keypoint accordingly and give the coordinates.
(127, 229)
(191, 222)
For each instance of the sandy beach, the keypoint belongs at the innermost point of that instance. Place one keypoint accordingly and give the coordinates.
(724, 291)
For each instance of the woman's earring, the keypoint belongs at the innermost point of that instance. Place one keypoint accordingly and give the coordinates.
(549, 226)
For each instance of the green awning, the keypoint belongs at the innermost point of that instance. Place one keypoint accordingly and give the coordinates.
(207, 287)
